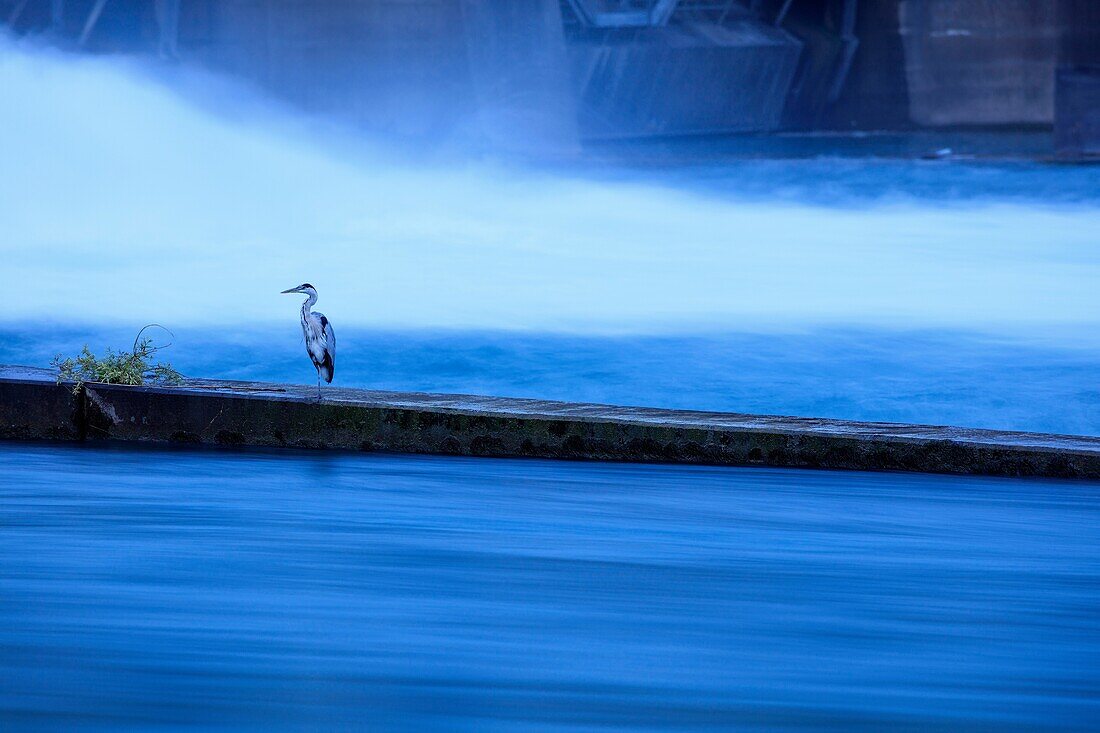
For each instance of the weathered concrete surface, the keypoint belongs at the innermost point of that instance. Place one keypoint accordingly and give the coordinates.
(691, 77)
(34, 409)
(1077, 113)
(256, 414)
(980, 62)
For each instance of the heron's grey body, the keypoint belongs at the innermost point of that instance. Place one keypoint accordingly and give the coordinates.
(319, 336)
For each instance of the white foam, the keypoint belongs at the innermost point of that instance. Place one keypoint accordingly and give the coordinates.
(122, 199)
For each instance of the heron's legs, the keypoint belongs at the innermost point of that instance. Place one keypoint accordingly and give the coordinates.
(318, 386)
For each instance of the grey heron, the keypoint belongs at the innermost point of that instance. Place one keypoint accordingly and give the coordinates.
(320, 338)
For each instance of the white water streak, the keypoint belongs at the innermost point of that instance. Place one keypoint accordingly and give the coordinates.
(121, 199)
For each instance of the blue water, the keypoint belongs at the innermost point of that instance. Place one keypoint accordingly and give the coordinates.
(172, 590)
(169, 590)
(136, 196)
(864, 180)
(843, 279)
(933, 377)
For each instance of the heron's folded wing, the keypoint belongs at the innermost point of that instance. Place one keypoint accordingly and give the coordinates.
(330, 340)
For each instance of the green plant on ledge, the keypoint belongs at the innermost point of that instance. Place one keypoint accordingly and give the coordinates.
(122, 367)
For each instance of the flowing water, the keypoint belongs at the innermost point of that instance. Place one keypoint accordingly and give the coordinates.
(938, 377)
(131, 197)
(162, 590)
(840, 282)
(153, 590)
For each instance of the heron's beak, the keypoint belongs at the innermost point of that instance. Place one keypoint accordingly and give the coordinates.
(292, 290)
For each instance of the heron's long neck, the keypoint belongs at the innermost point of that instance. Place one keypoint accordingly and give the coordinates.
(309, 303)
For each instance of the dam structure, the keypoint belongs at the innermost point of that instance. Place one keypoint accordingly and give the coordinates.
(34, 406)
(547, 74)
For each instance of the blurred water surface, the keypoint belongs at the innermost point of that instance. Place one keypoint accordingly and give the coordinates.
(821, 275)
(938, 377)
(173, 590)
(169, 590)
(140, 193)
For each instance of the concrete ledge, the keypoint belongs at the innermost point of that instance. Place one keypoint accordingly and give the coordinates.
(35, 408)
(210, 412)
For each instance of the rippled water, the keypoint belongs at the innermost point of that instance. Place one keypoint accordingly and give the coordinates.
(840, 281)
(144, 590)
(937, 377)
(138, 195)
(147, 590)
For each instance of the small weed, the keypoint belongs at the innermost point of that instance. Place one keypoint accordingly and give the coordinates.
(122, 367)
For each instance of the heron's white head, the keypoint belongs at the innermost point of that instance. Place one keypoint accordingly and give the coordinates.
(303, 288)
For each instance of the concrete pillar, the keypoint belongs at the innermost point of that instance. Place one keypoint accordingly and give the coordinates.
(980, 62)
(1077, 84)
(168, 27)
(57, 15)
(520, 77)
(1077, 112)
